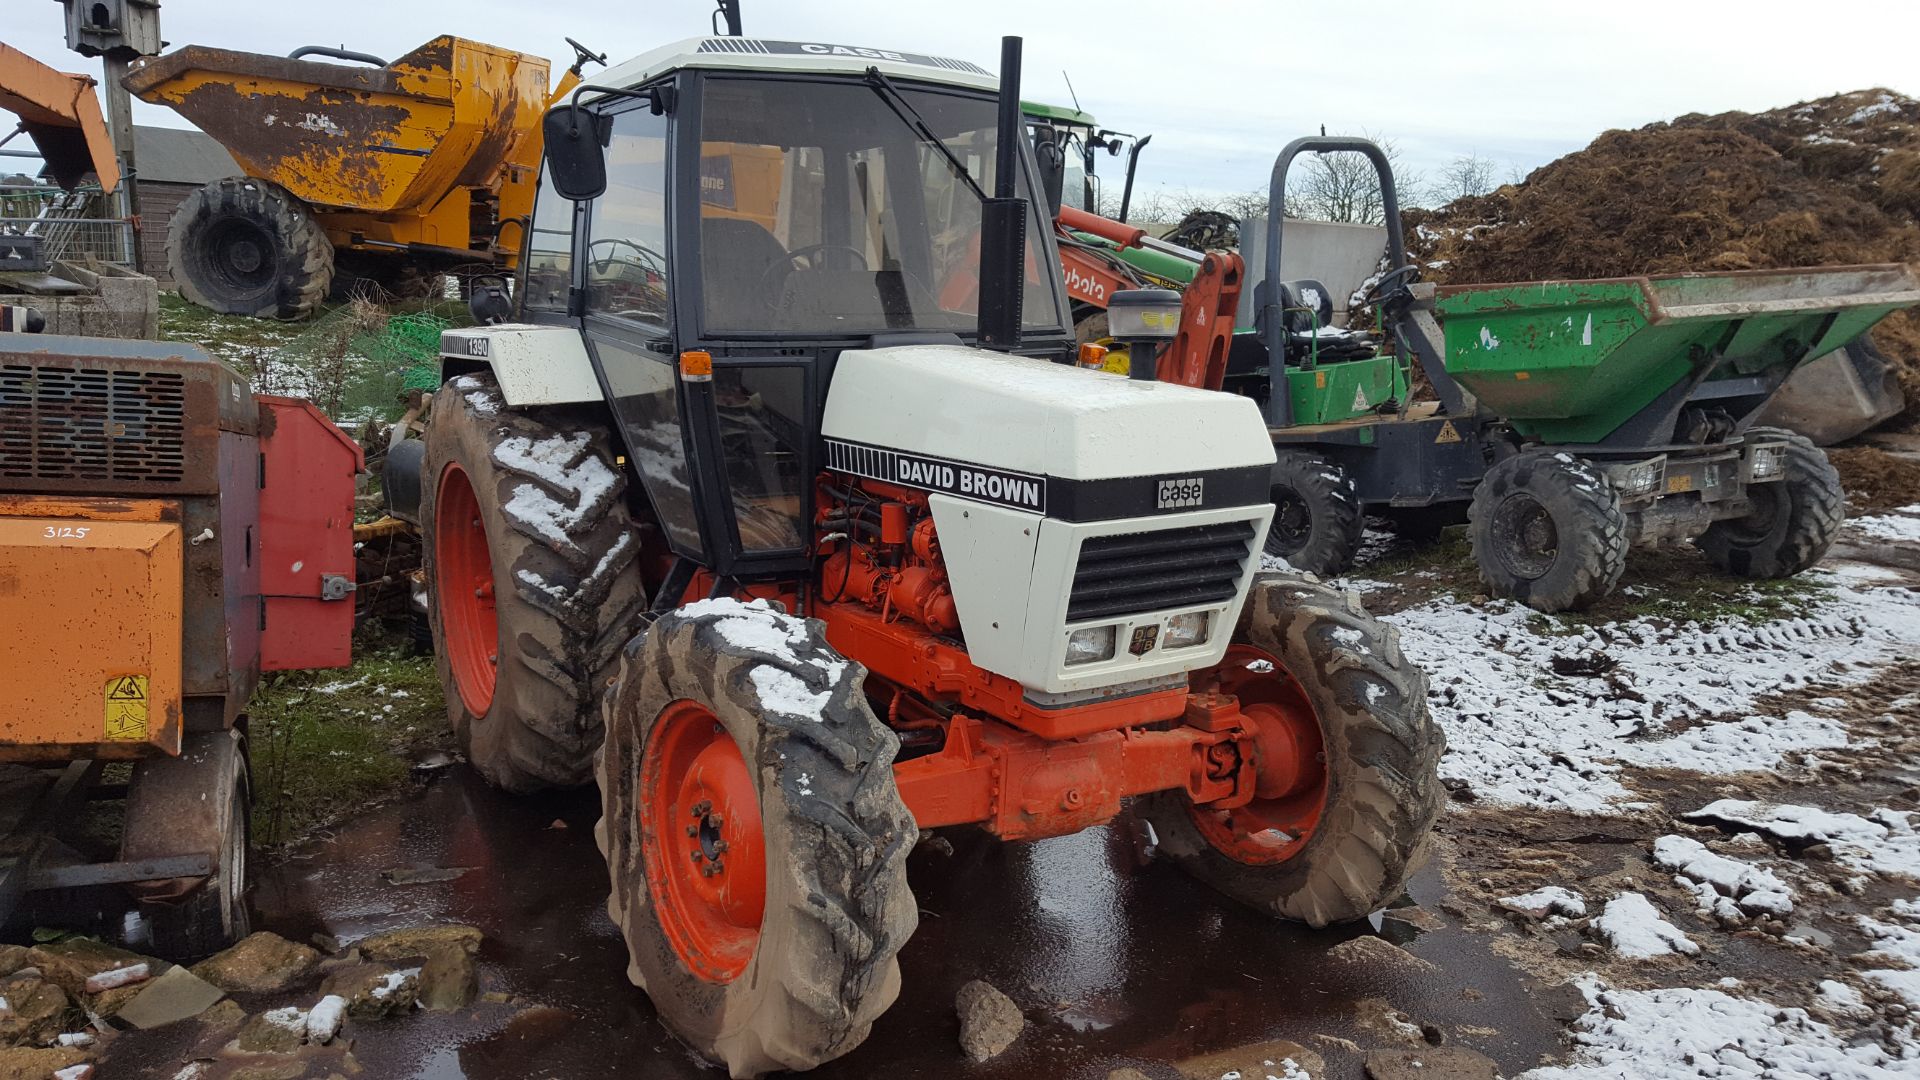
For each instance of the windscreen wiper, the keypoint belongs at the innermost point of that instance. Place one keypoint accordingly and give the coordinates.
(904, 109)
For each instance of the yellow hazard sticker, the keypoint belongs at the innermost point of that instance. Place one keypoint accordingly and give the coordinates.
(1448, 433)
(1679, 483)
(1522, 376)
(1319, 380)
(127, 708)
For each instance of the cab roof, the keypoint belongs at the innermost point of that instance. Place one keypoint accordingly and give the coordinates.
(799, 57)
(1058, 113)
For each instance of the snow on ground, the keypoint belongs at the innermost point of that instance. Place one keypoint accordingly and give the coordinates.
(1727, 889)
(1884, 842)
(1682, 1034)
(1899, 528)
(1543, 719)
(1636, 930)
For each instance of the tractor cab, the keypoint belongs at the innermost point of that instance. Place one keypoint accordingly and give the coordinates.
(766, 210)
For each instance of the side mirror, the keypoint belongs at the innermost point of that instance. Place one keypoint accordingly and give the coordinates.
(576, 152)
(1053, 173)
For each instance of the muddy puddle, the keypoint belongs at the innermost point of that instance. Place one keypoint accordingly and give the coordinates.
(1115, 959)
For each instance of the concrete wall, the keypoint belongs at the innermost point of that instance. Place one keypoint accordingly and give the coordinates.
(118, 304)
(1338, 255)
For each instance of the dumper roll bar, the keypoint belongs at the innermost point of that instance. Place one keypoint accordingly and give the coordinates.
(1398, 303)
(337, 54)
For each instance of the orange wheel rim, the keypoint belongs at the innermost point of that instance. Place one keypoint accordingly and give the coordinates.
(1290, 763)
(701, 838)
(463, 581)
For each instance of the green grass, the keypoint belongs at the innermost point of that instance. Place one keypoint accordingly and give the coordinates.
(1678, 585)
(328, 743)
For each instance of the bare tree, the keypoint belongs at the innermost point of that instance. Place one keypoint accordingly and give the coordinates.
(1345, 187)
(1464, 177)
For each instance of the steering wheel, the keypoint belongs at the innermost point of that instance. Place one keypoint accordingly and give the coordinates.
(1391, 282)
(582, 55)
(647, 258)
(809, 252)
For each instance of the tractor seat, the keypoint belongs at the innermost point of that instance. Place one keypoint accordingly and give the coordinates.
(742, 269)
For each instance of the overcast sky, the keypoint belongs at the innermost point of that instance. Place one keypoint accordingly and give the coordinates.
(1221, 86)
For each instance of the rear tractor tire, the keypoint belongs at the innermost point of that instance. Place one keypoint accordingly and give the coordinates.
(756, 842)
(530, 562)
(241, 246)
(1345, 803)
(1793, 520)
(1317, 516)
(1548, 530)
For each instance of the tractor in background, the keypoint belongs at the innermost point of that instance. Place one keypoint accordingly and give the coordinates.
(782, 510)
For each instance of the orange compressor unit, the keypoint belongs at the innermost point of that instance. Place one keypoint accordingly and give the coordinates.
(166, 535)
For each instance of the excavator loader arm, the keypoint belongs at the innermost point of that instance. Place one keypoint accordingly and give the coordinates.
(60, 113)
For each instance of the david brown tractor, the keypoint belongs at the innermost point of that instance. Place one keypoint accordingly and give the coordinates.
(785, 496)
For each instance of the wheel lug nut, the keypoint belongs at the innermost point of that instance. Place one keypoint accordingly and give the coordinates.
(698, 855)
(719, 847)
(700, 808)
(693, 830)
(716, 820)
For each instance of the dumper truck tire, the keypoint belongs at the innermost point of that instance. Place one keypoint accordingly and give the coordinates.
(1317, 516)
(754, 836)
(1344, 805)
(1794, 519)
(241, 246)
(1548, 530)
(529, 553)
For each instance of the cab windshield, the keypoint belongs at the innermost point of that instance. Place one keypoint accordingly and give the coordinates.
(823, 210)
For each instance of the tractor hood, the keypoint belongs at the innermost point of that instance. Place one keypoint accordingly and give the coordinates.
(953, 419)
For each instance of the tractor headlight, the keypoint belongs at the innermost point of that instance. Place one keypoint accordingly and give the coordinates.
(1090, 645)
(1769, 462)
(1186, 631)
(1143, 315)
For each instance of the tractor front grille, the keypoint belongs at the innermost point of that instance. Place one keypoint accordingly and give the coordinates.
(1131, 573)
(68, 424)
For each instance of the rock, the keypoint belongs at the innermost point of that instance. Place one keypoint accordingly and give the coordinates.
(448, 979)
(110, 1002)
(1254, 1060)
(69, 964)
(277, 1031)
(1371, 950)
(1380, 1017)
(223, 1017)
(323, 1020)
(374, 991)
(35, 1010)
(989, 1020)
(418, 941)
(13, 958)
(270, 1070)
(261, 963)
(29, 1063)
(1435, 1063)
(169, 999)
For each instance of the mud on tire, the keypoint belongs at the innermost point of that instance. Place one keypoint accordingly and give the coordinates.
(566, 588)
(1794, 519)
(1548, 530)
(1381, 750)
(1317, 519)
(836, 835)
(241, 246)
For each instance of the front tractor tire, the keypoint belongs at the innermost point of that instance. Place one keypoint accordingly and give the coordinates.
(1348, 760)
(1793, 520)
(530, 561)
(241, 246)
(755, 839)
(1318, 520)
(1548, 530)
